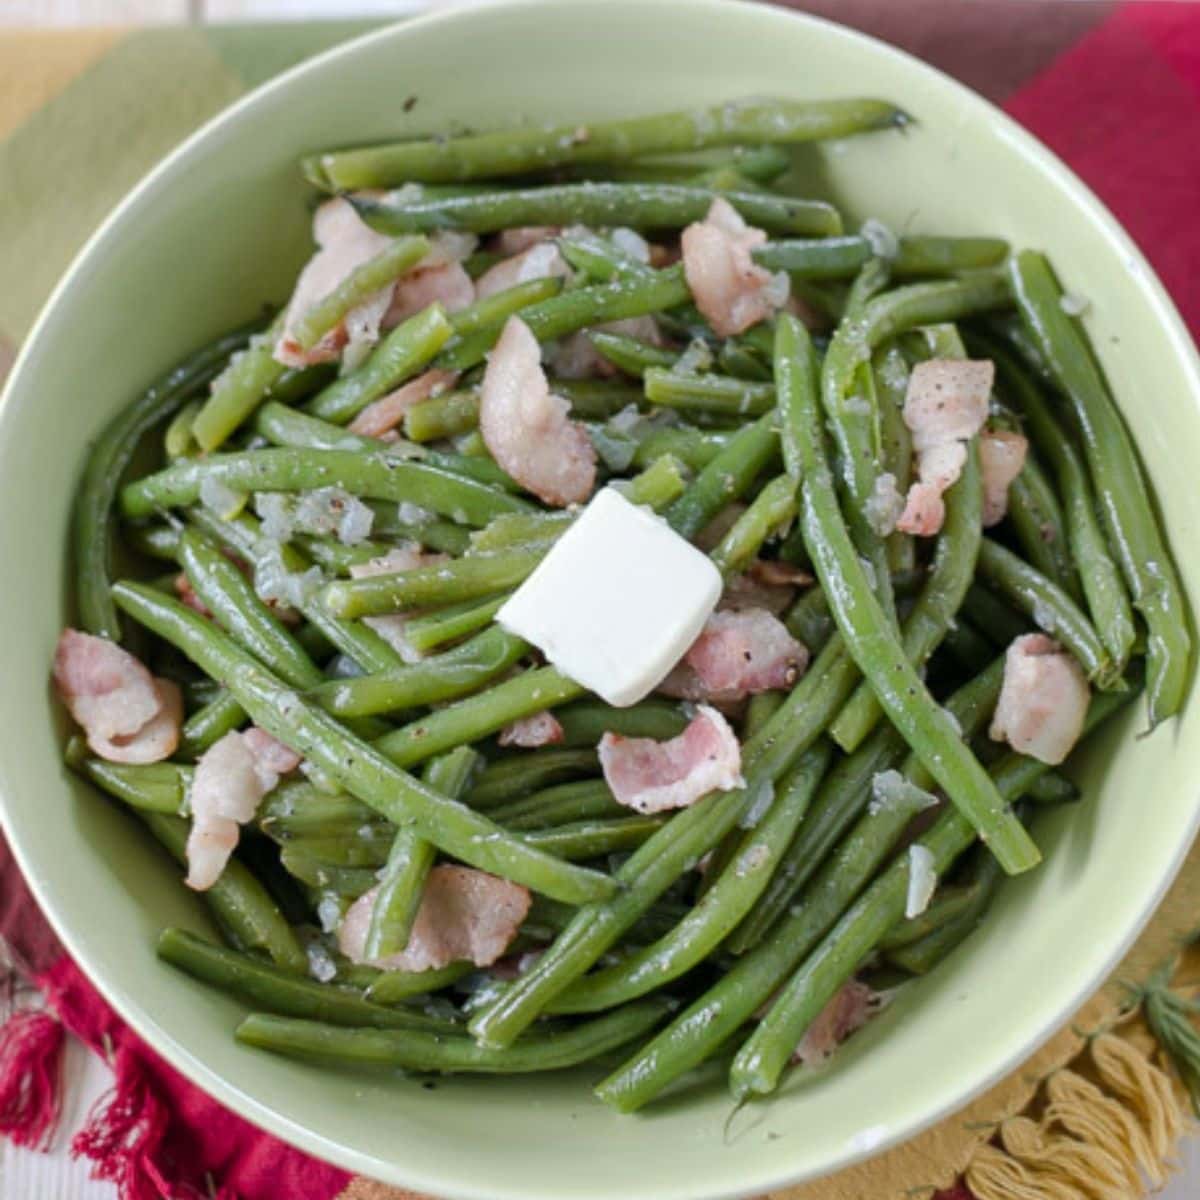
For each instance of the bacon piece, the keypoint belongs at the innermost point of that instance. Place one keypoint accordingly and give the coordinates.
(537, 262)
(737, 654)
(541, 729)
(344, 243)
(464, 915)
(945, 406)
(849, 1010)
(1043, 699)
(127, 714)
(392, 626)
(447, 284)
(523, 237)
(729, 287)
(232, 776)
(1001, 457)
(652, 776)
(527, 429)
(382, 416)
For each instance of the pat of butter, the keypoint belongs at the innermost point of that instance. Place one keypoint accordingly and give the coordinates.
(617, 601)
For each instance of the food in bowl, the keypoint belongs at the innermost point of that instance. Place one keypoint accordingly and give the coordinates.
(737, 596)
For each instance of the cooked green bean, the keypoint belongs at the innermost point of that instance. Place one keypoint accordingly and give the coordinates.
(282, 469)
(639, 205)
(428, 631)
(533, 149)
(279, 991)
(949, 904)
(177, 437)
(109, 458)
(843, 257)
(576, 309)
(239, 903)
(630, 354)
(992, 616)
(399, 356)
(443, 416)
(521, 774)
(707, 393)
(394, 987)
(360, 768)
(1049, 607)
(771, 510)
(498, 307)
(415, 1050)
(1107, 599)
(659, 861)
(1133, 531)
(297, 808)
(723, 905)
(939, 601)
(363, 282)
(582, 840)
(1037, 522)
(869, 640)
(565, 802)
(429, 681)
(239, 389)
(409, 861)
(890, 378)
(585, 722)
(155, 787)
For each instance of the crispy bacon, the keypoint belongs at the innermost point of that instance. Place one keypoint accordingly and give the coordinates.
(652, 776)
(1001, 458)
(1043, 699)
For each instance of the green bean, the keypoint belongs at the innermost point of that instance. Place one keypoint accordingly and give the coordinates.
(968, 646)
(1050, 608)
(107, 461)
(156, 787)
(429, 681)
(154, 541)
(582, 840)
(1037, 521)
(707, 393)
(499, 306)
(177, 438)
(640, 205)
(282, 469)
(414, 1050)
(244, 537)
(348, 883)
(869, 640)
(919, 958)
(425, 633)
(949, 903)
(939, 601)
(843, 257)
(360, 768)
(1107, 599)
(630, 354)
(1125, 506)
(520, 774)
(442, 536)
(296, 808)
(695, 448)
(585, 722)
(566, 802)
(210, 724)
(740, 884)
(992, 616)
(394, 987)
(443, 416)
(283, 425)
(361, 284)
(659, 861)
(238, 902)
(1054, 788)
(576, 309)
(402, 880)
(536, 149)
(727, 476)
(890, 377)
(278, 991)
(239, 611)
(810, 620)
(701, 1029)
(512, 530)
(476, 716)
(298, 382)
(399, 356)
(470, 577)
(239, 389)
(771, 510)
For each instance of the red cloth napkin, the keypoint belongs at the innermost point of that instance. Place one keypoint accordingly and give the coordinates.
(1113, 89)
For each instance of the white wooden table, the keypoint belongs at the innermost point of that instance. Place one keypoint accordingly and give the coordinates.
(54, 1176)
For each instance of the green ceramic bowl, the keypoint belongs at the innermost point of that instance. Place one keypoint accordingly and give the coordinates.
(220, 227)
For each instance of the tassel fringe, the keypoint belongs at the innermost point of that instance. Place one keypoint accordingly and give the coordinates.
(31, 1053)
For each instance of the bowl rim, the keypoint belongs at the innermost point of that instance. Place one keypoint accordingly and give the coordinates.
(312, 1142)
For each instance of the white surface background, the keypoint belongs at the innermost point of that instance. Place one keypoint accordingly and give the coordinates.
(25, 1175)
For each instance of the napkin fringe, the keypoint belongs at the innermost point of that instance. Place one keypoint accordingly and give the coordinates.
(1095, 1137)
(31, 1056)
